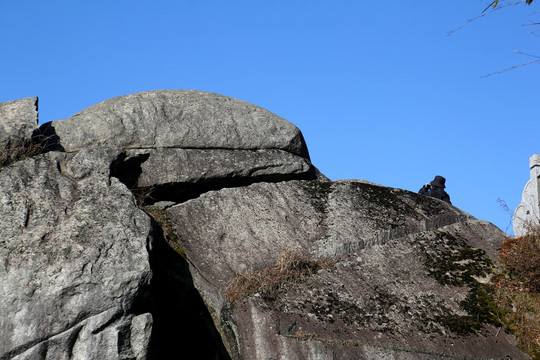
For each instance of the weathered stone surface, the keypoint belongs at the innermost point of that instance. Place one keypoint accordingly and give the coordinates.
(298, 214)
(18, 118)
(73, 260)
(140, 331)
(396, 289)
(168, 166)
(18, 121)
(179, 119)
(226, 188)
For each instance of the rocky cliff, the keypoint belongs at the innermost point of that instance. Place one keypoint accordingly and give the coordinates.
(183, 224)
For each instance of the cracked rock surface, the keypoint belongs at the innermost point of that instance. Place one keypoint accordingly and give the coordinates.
(74, 261)
(400, 285)
(184, 224)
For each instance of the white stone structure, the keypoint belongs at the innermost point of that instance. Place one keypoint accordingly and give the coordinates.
(528, 211)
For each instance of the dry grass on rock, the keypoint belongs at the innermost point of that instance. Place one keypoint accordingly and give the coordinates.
(19, 148)
(291, 266)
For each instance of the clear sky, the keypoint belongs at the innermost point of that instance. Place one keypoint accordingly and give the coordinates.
(378, 88)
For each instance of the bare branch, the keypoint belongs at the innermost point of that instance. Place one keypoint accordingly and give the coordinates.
(530, 55)
(499, 7)
(532, 24)
(495, 6)
(511, 68)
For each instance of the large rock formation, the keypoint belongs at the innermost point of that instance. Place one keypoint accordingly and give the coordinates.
(178, 119)
(183, 224)
(401, 281)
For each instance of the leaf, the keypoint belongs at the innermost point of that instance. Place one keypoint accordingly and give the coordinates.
(494, 4)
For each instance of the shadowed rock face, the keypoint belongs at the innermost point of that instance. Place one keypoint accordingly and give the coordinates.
(18, 123)
(136, 242)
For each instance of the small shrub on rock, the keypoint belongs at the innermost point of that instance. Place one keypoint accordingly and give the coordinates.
(521, 259)
(517, 290)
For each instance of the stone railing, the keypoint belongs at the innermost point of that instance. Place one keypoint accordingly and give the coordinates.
(527, 213)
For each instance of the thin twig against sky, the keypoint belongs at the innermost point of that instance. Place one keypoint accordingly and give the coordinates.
(516, 66)
(484, 13)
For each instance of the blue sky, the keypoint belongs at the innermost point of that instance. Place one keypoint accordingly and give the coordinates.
(378, 88)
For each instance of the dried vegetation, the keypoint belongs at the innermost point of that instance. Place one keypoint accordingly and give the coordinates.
(291, 266)
(517, 290)
(19, 148)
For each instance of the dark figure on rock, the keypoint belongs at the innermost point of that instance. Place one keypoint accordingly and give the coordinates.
(436, 189)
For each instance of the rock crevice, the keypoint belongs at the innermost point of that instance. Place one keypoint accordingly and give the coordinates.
(123, 235)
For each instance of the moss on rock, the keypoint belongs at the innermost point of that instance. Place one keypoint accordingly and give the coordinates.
(452, 262)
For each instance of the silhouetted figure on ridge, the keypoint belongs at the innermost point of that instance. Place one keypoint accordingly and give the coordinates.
(436, 189)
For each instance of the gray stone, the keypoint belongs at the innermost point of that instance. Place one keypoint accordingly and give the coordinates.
(18, 118)
(18, 121)
(387, 293)
(298, 214)
(179, 119)
(379, 273)
(98, 337)
(527, 213)
(141, 329)
(166, 166)
(73, 258)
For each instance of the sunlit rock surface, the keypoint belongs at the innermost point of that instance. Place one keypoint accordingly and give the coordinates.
(132, 234)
